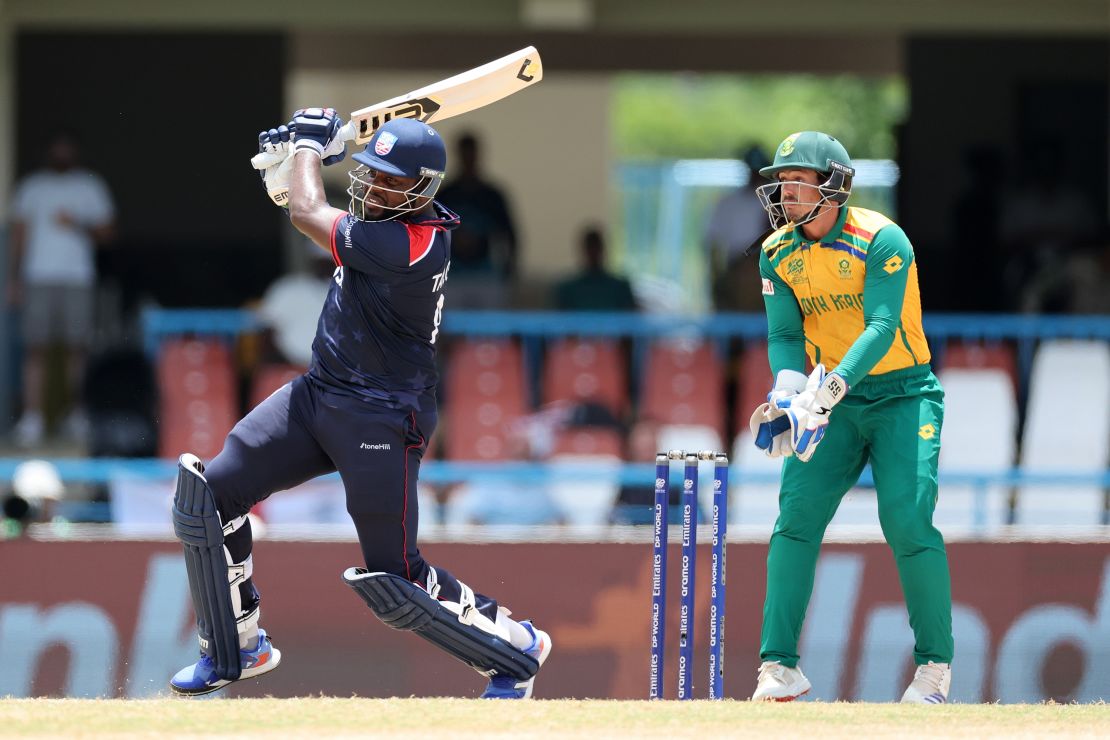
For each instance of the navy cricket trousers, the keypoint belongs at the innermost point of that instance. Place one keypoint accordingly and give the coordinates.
(305, 430)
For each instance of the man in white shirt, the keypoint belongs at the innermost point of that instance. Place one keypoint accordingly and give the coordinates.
(59, 215)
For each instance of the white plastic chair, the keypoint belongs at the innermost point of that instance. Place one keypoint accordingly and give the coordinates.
(858, 508)
(967, 446)
(1067, 429)
(754, 504)
(589, 500)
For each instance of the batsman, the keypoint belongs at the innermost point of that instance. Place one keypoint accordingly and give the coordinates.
(366, 409)
(840, 285)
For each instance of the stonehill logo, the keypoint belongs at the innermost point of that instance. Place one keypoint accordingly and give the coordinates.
(374, 446)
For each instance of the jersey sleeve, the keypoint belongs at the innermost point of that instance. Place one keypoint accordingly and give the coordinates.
(786, 343)
(384, 249)
(884, 290)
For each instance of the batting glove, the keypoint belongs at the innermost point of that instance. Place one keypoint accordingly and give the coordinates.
(809, 411)
(769, 425)
(276, 178)
(314, 130)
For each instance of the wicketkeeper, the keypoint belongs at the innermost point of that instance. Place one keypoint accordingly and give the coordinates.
(840, 285)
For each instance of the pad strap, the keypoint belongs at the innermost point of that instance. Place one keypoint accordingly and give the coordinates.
(478, 642)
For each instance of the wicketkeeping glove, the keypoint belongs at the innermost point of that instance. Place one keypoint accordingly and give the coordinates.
(314, 130)
(809, 411)
(769, 425)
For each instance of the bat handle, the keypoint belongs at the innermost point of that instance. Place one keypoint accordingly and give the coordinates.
(265, 160)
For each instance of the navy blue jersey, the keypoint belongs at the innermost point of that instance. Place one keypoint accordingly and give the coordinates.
(376, 338)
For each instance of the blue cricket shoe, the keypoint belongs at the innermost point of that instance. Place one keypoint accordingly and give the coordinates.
(507, 687)
(200, 678)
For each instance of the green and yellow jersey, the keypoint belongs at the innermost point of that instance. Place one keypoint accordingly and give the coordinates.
(850, 300)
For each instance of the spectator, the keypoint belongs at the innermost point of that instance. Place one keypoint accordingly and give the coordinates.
(290, 309)
(594, 288)
(736, 222)
(60, 214)
(36, 488)
(484, 246)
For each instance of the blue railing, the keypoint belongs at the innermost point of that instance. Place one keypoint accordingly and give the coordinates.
(106, 470)
(534, 327)
(161, 323)
(532, 474)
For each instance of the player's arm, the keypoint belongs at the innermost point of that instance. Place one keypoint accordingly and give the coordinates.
(315, 129)
(308, 207)
(884, 291)
(786, 341)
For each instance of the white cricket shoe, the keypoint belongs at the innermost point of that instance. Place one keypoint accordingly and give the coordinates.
(780, 683)
(930, 684)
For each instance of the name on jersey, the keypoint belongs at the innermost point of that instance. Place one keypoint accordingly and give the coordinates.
(440, 278)
(831, 302)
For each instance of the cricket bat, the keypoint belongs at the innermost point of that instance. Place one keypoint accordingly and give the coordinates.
(444, 99)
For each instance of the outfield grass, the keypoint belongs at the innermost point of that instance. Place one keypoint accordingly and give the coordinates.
(586, 720)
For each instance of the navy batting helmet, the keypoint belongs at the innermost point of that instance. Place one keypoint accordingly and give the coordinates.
(402, 147)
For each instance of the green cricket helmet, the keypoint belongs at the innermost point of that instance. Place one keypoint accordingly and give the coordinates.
(808, 150)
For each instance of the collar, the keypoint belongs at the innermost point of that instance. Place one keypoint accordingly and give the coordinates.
(834, 232)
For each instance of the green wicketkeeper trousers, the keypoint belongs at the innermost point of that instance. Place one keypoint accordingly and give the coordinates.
(892, 421)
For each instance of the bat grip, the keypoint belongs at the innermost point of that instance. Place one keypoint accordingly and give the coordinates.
(265, 160)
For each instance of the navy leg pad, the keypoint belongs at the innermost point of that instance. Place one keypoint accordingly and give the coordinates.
(196, 522)
(403, 605)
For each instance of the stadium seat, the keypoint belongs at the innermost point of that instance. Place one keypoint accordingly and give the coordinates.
(198, 397)
(972, 395)
(754, 504)
(499, 501)
(1067, 430)
(588, 441)
(981, 356)
(586, 370)
(485, 393)
(858, 508)
(753, 383)
(589, 500)
(684, 383)
(269, 378)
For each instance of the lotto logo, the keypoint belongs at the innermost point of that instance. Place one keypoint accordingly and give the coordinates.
(687, 484)
(660, 484)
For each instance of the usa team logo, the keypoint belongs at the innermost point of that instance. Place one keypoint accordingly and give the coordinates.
(384, 144)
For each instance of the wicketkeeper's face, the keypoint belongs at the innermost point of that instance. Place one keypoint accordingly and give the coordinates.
(799, 193)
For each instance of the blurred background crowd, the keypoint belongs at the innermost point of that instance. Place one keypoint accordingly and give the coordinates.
(153, 295)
